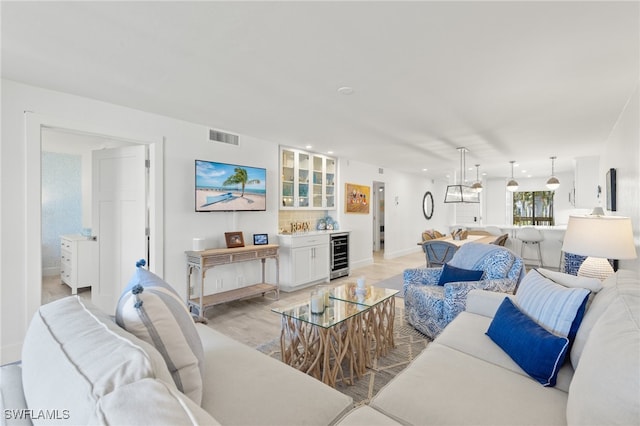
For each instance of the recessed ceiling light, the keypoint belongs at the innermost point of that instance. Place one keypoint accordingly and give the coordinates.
(329, 152)
(516, 165)
(424, 170)
(308, 146)
(345, 90)
(524, 171)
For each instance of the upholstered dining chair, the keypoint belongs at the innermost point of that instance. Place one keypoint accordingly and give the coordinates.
(438, 252)
(430, 305)
(431, 234)
(501, 240)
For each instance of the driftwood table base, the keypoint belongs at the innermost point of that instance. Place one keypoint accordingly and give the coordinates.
(343, 350)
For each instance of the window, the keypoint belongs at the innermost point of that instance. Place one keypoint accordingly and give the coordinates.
(533, 208)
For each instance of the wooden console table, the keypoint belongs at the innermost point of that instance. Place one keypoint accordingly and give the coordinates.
(207, 259)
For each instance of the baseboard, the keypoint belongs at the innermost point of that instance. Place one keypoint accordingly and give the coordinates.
(361, 263)
(51, 271)
(400, 253)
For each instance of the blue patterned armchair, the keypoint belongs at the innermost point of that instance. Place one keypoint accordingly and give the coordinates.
(430, 307)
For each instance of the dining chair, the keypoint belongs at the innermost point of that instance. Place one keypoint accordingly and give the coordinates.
(501, 240)
(437, 252)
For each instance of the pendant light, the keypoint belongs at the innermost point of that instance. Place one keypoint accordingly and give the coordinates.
(553, 183)
(477, 185)
(461, 193)
(512, 185)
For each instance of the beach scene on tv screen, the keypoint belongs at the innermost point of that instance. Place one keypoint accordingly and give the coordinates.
(225, 187)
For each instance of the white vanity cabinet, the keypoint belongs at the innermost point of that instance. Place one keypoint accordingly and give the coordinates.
(78, 261)
(304, 260)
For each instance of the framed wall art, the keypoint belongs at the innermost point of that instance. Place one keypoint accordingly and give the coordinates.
(357, 198)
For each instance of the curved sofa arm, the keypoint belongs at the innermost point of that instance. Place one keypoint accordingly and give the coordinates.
(455, 293)
(425, 276)
(485, 303)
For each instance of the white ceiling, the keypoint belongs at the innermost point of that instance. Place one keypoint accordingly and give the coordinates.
(508, 80)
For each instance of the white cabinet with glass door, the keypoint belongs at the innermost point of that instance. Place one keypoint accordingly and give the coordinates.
(307, 180)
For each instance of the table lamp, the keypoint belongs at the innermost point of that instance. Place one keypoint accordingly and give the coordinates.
(600, 238)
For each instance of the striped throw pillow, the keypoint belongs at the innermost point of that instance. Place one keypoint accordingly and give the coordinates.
(150, 309)
(553, 306)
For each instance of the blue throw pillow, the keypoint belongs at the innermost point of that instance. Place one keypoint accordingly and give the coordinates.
(538, 352)
(451, 274)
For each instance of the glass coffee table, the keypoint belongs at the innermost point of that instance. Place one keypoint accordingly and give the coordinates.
(338, 343)
(321, 345)
(379, 317)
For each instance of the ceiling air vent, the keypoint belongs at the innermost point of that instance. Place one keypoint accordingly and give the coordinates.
(381, 170)
(218, 136)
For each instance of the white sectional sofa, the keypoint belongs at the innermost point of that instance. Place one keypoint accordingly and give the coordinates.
(464, 378)
(79, 367)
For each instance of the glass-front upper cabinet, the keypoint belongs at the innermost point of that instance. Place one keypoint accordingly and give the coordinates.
(307, 180)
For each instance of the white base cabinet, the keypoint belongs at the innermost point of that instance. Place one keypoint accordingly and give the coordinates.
(304, 260)
(78, 261)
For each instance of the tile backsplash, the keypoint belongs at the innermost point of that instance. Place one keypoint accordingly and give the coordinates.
(287, 217)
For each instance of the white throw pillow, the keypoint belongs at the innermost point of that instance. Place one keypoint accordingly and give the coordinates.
(553, 306)
(150, 309)
(572, 281)
(73, 354)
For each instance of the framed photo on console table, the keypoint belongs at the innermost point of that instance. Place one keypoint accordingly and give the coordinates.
(260, 239)
(234, 239)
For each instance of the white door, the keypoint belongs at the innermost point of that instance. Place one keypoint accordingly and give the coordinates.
(119, 210)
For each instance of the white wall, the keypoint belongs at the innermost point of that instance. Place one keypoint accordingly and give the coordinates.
(404, 220)
(184, 142)
(622, 152)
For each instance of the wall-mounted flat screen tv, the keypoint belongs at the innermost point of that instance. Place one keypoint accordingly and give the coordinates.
(222, 187)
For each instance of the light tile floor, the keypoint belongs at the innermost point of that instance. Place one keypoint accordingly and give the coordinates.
(251, 321)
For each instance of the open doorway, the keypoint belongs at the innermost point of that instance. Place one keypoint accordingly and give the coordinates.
(35, 124)
(378, 217)
(69, 247)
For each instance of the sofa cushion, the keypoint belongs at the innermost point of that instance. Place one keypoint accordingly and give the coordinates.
(12, 396)
(557, 308)
(466, 334)
(620, 282)
(246, 387)
(537, 351)
(451, 274)
(592, 284)
(149, 402)
(606, 385)
(73, 354)
(366, 416)
(151, 309)
(443, 386)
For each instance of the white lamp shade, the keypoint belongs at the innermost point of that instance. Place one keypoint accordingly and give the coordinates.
(610, 237)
